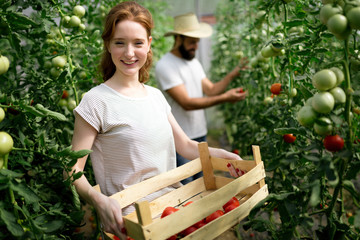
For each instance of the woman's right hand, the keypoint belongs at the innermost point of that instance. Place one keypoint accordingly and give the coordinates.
(109, 212)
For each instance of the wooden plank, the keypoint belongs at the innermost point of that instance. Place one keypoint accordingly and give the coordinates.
(144, 188)
(222, 181)
(209, 178)
(143, 213)
(257, 158)
(173, 198)
(208, 204)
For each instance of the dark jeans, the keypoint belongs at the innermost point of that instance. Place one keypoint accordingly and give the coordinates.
(180, 160)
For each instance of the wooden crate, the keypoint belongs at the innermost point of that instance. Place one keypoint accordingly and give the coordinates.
(208, 194)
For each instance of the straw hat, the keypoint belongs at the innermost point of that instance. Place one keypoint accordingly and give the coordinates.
(188, 25)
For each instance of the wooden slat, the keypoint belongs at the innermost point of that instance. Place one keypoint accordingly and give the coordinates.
(173, 198)
(144, 188)
(143, 213)
(209, 178)
(257, 158)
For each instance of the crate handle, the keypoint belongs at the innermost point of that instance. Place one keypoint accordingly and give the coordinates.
(208, 170)
(257, 158)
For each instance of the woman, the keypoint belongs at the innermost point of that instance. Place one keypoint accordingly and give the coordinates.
(127, 124)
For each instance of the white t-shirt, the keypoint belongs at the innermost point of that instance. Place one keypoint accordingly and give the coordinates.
(172, 71)
(134, 141)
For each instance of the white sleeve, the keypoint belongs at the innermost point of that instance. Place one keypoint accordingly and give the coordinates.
(167, 75)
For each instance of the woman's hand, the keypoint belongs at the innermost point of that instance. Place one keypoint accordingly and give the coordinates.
(109, 212)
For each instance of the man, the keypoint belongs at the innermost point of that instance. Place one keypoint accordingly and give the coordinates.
(182, 79)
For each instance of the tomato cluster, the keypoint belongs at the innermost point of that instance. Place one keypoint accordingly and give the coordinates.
(340, 18)
(316, 109)
(227, 207)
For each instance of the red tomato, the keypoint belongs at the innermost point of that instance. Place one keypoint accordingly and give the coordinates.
(333, 143)
(241, 90)
(188, 231)
(233, 200)
(230, 207)
(236, 151)
(200, 224)
(289, 138)
(276, 88)
(187, 203)
(214, 215)
(65, 94)
(168, 211)
(116, 238)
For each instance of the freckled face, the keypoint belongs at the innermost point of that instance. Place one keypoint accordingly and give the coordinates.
(129, 47)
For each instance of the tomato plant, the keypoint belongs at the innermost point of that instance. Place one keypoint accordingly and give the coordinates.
(321, 61)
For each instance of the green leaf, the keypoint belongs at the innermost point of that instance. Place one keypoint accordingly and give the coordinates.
(11, 174)
(79, 154)
(283, 131)
(31, 110)
(52, 226)
(48, 112)
(315, 194)
(10, 221)
(350, 187)
(25, 191)
(307, 94)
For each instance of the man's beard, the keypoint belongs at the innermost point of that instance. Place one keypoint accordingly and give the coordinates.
(186, 54)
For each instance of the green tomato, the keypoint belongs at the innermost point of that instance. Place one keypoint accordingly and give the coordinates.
(59, 61)
(327, 11)
(74, 21)
(47, 64)
(55, 72)
(338, 94)
(82, 74)
(268, 100)
(268, 51)
(71, 105)
(340, 77)
(79, 11)
(324, 80)
(323, 102)
(63, 102)
(306, 116)
(323, 126)
(82, 27)
(353, 17)
(4, 64)
(6, 143)
(2, 114)
(293, 92)
(309, 101)
(337, 24)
